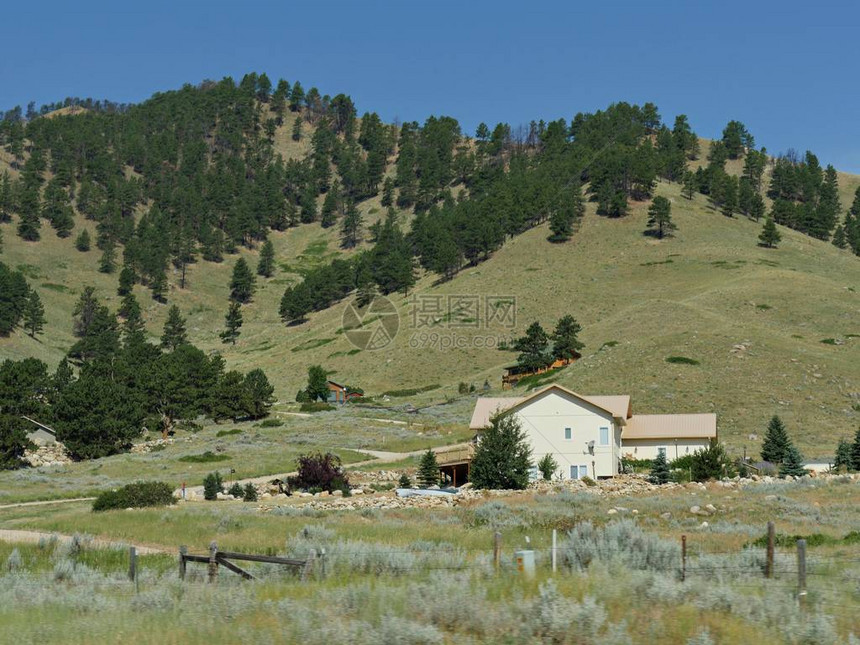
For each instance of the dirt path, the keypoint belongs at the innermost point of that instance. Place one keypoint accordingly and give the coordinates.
(34, 537)
(45, 502)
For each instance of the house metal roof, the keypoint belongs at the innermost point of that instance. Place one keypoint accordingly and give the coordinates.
(670, 426)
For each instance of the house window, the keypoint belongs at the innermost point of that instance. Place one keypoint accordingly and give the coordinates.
(661, 451)
(578, 472)
(568, 433)
(604, 436)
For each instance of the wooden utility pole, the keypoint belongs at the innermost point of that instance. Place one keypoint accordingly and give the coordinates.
(497, 550)
(801, 572)
(213, 561)
(554, 547)
(771, 540)
(183, 551)
(683, 558)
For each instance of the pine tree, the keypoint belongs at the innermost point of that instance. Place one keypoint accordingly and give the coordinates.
(317, 388)
(158, 286)
(839, 239)
(503, 456)
(428, 470)
(242, 283)
(127, 279)
(232, 323)
(28, 227)
(792, 463)
(659, 469)
(855, 452)
(107, 263)
(297, 129)
(350, 231)
(266, 264)
(660, 217)
(769, 236)
(757, 207)
(842, 460)
(329, 208)
(566, 345)
(776, 441)
(729, 196)
(533, 348)
(34, 314)
(82, 242)
(690, 185)
(174, 333)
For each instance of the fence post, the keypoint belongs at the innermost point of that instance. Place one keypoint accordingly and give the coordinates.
(683, 558)
(771, 540)
(183, 551)
(132, 563)
(497, 550)
(213, 561)
(801, 572)
(554, 550)
(322, 562)
(309, 565)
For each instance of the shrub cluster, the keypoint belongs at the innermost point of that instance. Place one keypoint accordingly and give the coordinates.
(136, 495)
(320, 472)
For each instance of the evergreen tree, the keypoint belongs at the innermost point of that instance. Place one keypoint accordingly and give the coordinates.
(297, 129)
(28, 226)
(317, 388)
(266, 264)
(428, 470)
(769, 236)
(503, 456)
(34, 314)
(659, 469)
(158, 286)
(565, 342)
(107, 263)
(729, 195)
(660, 217)
(533, 348)
(855, 451)
(127, 279)
(757, 207)
(329, 208)
(174, 333)
(82, 242)
(242, 283)
(387, 192)
(232, 323)
(689, 188)
(350, 231)
(839, 239)
(260, 394)
(13, 441)
(776, 441)
(842, 460)
(792, 463)
(547, 466)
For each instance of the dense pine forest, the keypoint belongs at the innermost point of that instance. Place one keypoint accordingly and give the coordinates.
(190, 175)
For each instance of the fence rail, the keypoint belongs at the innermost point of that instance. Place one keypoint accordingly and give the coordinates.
(218, 558)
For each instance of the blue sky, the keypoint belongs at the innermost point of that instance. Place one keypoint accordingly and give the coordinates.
(787, 70)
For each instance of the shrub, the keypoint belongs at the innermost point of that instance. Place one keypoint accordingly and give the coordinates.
(711, 463)
(228, 433)
(205, 458)
(136, 495)
(622, 541)
(212, 485)
(411, 391)
(271, 423)
(405, 482)
(588, 481)
(249, 493)
(682, 360)
(660, 470)
(320, 471)
(236, 490)
(13, 442)
(547, 466)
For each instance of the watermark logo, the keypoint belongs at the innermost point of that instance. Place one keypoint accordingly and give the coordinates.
(372, 326)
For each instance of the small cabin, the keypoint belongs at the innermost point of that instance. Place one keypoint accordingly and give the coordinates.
(338, 393)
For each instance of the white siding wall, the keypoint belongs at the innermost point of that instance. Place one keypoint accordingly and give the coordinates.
(544, 420)
(647, 448)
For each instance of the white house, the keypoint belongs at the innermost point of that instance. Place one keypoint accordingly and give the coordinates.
(588, 435)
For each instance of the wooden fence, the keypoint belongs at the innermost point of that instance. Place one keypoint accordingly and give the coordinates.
(217, 558)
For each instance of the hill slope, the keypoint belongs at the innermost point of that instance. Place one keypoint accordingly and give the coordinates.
(753, 317)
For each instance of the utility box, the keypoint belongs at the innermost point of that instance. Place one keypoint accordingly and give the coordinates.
(525, 561)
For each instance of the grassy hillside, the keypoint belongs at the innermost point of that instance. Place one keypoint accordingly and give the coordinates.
(754, 318)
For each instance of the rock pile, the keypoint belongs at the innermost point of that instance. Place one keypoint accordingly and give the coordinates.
(149, 446)
(52, 454)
